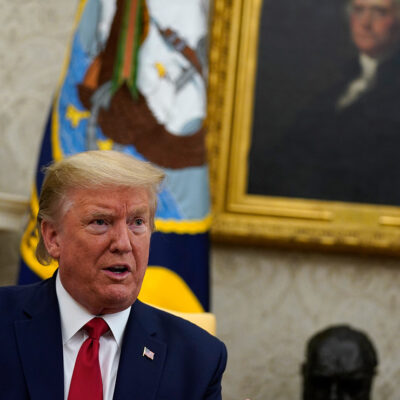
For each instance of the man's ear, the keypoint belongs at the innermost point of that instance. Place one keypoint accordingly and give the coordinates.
(51, 238)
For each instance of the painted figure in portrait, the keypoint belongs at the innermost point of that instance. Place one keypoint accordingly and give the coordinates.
(336, 134)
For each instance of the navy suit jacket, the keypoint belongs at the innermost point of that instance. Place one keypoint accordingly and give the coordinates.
(188, 362)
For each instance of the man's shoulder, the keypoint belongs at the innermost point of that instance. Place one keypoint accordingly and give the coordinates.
(16, 293)
(186, 341)
(194, 360)
(14, 298)
(171, 327)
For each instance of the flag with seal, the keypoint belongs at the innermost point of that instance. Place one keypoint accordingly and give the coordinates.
(134, 80)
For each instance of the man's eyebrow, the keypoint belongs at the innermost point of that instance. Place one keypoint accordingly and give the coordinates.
(139, 210)
(109, 213)
(100, 214)
(371, 7)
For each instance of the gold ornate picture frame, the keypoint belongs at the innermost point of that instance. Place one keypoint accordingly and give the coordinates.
(257, 219)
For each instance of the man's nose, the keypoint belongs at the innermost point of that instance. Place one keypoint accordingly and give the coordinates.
(121, 238)
(366, 17)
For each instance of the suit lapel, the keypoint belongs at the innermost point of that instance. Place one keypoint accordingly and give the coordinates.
(138, 376)
(40, 344)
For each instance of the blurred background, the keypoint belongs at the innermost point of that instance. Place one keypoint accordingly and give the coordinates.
(267, 301)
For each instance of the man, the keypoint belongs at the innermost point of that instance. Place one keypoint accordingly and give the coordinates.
(344, 145)
(340, 363)
(96, 214)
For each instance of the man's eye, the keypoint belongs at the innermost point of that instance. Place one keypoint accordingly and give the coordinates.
(380, 12)
(357, 10)
(99, 222)
(137, 224)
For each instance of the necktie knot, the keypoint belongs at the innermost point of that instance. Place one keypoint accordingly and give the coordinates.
(96, 327)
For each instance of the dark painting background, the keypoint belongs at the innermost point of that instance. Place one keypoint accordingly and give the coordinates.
(302, 46)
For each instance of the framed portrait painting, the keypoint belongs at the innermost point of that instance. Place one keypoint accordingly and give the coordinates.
(303, 122)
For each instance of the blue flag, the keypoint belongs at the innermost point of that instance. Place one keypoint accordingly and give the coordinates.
(134, 80)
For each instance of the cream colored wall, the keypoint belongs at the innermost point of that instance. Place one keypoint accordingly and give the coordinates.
(34, 34)
(268, 302)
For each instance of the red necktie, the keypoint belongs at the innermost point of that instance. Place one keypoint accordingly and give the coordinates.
(86, 383)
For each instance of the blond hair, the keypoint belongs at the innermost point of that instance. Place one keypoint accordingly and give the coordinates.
(91, 170)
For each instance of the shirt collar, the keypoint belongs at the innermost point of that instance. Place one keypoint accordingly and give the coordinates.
(369, 66)
(74, 316)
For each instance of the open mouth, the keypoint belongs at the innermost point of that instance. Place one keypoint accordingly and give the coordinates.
(118, 269)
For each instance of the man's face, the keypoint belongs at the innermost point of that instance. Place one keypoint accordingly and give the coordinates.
(102, 246)
(375, 26)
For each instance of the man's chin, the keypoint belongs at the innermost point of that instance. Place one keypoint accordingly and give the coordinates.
(369, 48)
(372, 53)
(116, 299)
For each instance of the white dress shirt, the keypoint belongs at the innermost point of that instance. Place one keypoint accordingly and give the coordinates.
(73, 318)
(361, 84)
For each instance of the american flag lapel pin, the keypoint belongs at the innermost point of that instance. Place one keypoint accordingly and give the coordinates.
(148, 353)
